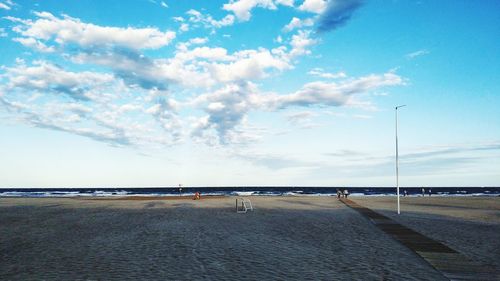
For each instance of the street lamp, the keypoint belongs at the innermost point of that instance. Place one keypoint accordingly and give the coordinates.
(397, 156)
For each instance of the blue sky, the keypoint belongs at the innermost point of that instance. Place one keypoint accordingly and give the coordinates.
(248, 92)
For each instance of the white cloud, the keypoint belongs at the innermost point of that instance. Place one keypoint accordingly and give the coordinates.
(300, 43)
(34, 44)
(301, 115)
(184, 27)
(423, 161)
(417, 54)
(4, 6)
(225, 21)
(200, 66)
(67, 30)
(45, 77)
(165, 113)
(137, 87)
(334, 94)
(66, 117)
(302, 119)
(207, 21)
(242, 8)
(135, 69)
(227, 107)
(3, 33)
(89, 104)
(163, 4)
(198, 40)
(320, 72)
(297, 23)
(226, 110)
(288, 3)
(314, 6)
(214, 54)
(187, 67)
(248, 65)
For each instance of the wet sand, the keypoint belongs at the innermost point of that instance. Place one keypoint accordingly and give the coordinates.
(285, 238)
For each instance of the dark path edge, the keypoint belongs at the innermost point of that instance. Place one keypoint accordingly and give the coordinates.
(447, 261)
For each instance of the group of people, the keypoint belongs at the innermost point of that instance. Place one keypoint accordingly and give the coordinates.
(405, 193)
(423, 191)
(342, 193)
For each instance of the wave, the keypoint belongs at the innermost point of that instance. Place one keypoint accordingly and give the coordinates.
(245, 191)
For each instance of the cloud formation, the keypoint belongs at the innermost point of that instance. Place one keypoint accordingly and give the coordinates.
(418, 53)
(335, 94)
(96, 105)
(4, 6)
(45, 77)
(429, 160)
(321, 73)
(199, 90)
(314, 6)
(337, 14)
(228, 107)
(67, 30)
(197, 18)
(242, 8)
(296, 23)
(3, 33)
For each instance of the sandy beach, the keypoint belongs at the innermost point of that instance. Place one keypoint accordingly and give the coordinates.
(285, 238)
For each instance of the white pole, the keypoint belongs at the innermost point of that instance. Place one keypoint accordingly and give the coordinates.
(397, 158)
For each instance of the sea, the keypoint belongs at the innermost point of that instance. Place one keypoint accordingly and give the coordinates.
(246, 191)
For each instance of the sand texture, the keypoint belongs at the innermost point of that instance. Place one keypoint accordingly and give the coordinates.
(469, 225)
(285, 238)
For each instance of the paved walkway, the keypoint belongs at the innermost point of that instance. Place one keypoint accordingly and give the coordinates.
(449, 262)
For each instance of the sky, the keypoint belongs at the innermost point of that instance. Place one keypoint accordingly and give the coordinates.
(249, 92)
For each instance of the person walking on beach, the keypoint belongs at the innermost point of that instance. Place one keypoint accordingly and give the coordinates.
(338, 194)
(423, 192)
(405, 193)
(346, 193)
(430, 192)
(197, 196)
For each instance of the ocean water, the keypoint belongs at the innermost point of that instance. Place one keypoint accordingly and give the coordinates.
(246, 191)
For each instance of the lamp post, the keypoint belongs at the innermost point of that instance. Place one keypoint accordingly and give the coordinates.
(397, 156)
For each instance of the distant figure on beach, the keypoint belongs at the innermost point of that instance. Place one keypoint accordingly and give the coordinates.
(405, 193)
(197, 196)
(346, 193)
(430, 192)
(423, 191)
(180, 189)
(338, 194)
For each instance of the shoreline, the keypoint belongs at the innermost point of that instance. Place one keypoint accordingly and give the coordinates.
(215, 196)
(246, 191)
